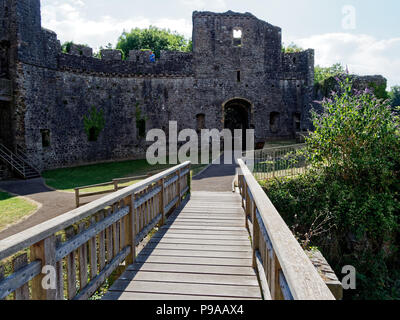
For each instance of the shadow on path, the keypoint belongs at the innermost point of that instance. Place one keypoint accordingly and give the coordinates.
(217, 178)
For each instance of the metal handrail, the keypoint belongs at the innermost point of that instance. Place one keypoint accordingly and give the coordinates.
(15, 160)
(20, 152)
(10, 160)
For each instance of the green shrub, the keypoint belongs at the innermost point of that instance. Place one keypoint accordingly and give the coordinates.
(348, 204)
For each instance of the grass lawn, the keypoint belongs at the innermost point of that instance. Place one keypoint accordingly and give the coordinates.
(13, 209)
(279, 143)
(69, 178)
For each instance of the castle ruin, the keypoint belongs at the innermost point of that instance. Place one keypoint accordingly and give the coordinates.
(237, 77)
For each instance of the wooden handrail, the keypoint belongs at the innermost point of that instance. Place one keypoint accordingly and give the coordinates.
(104, 233)
(288, 270)
(114, 183)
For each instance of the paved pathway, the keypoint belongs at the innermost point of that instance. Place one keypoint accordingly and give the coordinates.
(54, 203)
(217, 178)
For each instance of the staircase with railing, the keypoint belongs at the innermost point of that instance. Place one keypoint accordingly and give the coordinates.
(19, 163)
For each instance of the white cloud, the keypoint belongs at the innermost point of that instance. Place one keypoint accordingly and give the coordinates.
(67, 20)
(362, 53)
(207, 5)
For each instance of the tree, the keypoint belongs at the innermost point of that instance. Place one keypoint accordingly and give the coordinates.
(66, 46)
(323, 73)
(154, 39)
(394, 95)
(291, 48)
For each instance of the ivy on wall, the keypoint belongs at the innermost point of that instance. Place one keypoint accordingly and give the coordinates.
(94, 123)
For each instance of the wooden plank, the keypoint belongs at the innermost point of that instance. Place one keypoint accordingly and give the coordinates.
(59, 273)
(187, 289)
(18, 263)
(83, 259)
(25, 239)
(91, 194)
(116, 231)
(206, 216)
(195, 260)
(130, 229)
(263, 280)
(109, 239)
(129, 296)
(192, 268)
(122, 232)
(45, 251)
(18, 279)
(197, 253)
(239, 234)
(93, 253)
(102, 245)
(190, 278)
(210, 228)
(77, 203)
(201, 241)
(210, 223)
(71, 267)
(203, 234)
(197, 247)
(1, 273)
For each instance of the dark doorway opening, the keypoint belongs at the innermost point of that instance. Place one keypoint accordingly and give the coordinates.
(237, 117)
(296, 121)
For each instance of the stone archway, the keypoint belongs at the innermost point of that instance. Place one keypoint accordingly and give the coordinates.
(237, 115)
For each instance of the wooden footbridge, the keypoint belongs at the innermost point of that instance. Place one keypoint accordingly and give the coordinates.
(209, 245)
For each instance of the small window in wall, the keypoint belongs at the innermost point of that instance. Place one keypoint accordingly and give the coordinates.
(238, 76)
(201, 122)
(237, 37)
(93, 135)
(274, 122)
(45, 138)
(297, 121)
(141, 127)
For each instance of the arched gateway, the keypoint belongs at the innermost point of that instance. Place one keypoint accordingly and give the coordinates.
(237, 115)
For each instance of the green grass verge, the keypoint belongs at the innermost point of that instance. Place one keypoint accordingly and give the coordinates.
(13, 209)
(69, 178)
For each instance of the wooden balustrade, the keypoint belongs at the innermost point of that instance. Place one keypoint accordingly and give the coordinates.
(83, 247)
(284, 270)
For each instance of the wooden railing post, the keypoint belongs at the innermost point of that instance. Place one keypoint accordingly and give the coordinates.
(115, 185)
(276, 291)
(162, 204)
(45, 251)
(256, 233)
(77, 197)
(189, 181)
(179, 188)
(247, 200)
(130, 230)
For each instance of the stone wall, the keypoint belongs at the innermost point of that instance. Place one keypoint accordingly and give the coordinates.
(53, 91)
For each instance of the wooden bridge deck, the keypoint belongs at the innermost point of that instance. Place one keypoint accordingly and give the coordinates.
(202, 253)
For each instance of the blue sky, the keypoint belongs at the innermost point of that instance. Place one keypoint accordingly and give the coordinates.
(363, 34)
